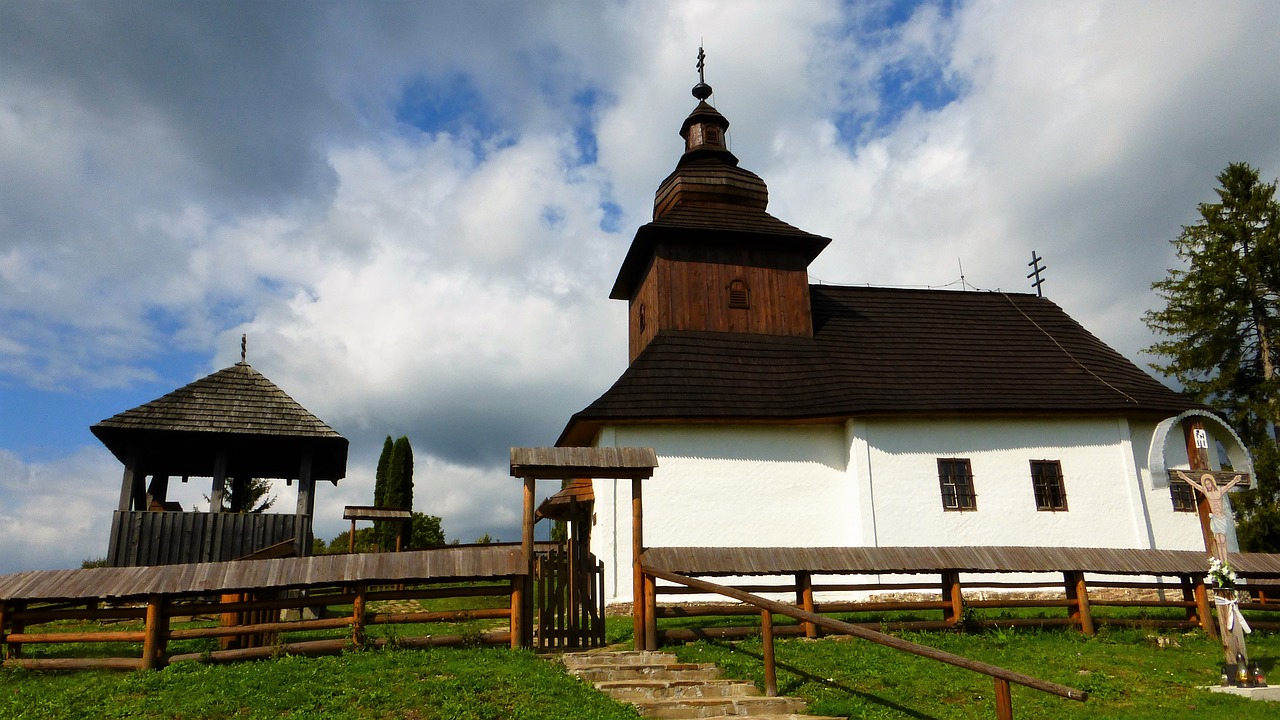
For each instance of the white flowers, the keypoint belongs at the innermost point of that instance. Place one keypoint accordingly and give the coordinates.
(1221, 574)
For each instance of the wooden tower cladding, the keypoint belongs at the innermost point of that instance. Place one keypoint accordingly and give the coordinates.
(713, 259)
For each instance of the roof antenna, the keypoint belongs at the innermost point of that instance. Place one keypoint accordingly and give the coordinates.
(1036, 269)
(702, 90)
(963, 285)
(244, 342)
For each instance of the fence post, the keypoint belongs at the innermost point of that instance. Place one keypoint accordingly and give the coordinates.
(637, 571)
(770, 667)
(517, 605)
(16, 627)
(157, 634)
(804, 598)
(650, 613)
(357, 616)
(1004, 700)
(953, 594)
(1202, 609)
(1078, 594)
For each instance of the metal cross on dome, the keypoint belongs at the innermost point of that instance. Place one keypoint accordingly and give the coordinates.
(702, 90)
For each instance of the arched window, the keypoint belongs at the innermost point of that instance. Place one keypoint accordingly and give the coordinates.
(739, 295)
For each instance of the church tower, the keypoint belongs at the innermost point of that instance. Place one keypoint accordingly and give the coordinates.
(713, 259)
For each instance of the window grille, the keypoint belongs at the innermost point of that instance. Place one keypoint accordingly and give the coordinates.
(1048, 485)
(1183, 496)
(955, 477)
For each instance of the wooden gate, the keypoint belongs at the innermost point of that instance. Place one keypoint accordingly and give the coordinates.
(570, 596)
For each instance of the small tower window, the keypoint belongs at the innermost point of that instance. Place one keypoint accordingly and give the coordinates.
(640, 318)
(739, 295)
(713, 135)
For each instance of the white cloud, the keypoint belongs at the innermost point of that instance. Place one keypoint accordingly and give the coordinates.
(181, 174)
(56, 514)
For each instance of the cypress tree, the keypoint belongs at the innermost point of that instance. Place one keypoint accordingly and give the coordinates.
(380, 487)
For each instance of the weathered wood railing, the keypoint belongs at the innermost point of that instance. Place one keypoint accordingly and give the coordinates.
(767, 608)
(344, 612)
(958, 604)
(897, 580)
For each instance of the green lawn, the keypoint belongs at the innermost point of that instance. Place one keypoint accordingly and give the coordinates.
(1129, 673)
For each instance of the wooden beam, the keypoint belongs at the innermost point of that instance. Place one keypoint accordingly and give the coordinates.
(219, 481)
(804, 598)
(637, 571)
(1078, 594)
(130, 480)
(770, 667)
(1004, 700)
(953, 596)
(306, 505)
(157, 630)
(358, 615)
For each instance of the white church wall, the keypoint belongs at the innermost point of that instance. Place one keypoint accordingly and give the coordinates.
(875, 482)
(742, 485)
(1171, 530)
(1103, 508)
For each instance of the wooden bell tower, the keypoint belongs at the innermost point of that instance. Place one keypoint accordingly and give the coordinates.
(713, 259)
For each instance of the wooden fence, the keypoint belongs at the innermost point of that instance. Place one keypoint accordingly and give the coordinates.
(311, 605)
(917, 586)
(326, 621)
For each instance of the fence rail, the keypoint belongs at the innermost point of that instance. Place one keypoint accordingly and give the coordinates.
(955, 586)
(342, 615)
(767, 608)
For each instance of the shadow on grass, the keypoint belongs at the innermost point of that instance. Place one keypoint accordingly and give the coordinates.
(804, 675)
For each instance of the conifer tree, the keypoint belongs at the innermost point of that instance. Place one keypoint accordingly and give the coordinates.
(1221, 321)
(397, 490)
(380, 487)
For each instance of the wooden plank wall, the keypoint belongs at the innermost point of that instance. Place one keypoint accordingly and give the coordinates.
(694, 296)
(170, 538)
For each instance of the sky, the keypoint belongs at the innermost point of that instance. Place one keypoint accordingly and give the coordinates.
(415, 211)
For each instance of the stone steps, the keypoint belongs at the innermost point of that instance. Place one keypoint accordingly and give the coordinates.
(660, 686)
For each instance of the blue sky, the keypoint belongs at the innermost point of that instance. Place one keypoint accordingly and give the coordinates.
(415, 211)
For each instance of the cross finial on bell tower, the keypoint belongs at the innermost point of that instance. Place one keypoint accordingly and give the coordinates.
(702, 90)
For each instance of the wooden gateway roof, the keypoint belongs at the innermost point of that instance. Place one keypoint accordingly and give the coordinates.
(178, 433)
(884, 352)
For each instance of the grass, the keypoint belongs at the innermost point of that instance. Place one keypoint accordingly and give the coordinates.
(1129, 673)
(444, 684)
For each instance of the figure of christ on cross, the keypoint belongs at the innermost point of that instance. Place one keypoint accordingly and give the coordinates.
(1218, 520)
(1230, 621)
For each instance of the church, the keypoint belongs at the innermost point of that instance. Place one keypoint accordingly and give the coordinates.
(790, 414)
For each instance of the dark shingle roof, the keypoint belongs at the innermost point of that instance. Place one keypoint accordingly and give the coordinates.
(236, 399)
(885, 351)
(236, 402)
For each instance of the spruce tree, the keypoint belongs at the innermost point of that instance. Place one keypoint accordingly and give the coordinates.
(1221, 321)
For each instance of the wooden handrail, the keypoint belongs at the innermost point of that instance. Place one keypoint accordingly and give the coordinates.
(1002, 676)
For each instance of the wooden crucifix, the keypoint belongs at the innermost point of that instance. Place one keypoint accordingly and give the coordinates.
(1213, 487)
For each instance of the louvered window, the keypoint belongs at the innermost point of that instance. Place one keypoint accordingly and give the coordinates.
(739, 295)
